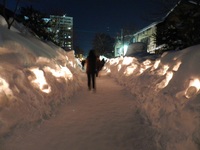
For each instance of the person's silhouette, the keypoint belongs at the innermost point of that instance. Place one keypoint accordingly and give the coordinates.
(91, 69)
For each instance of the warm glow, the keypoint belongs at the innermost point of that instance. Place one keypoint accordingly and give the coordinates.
(119, 67)
(176, 67)
(60, 72)
(40, 80)
(147, 62)
(165, 82)
(163, 70)
(156, 64)
(4, 88)
(114, 61)
(193, 88)
(67, 72)
(71, 63)
(145, 65)
(107, 70)
(195, 83)
(130, 69)
(127, 61)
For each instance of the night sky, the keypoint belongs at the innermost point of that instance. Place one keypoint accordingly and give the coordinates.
(94, 16)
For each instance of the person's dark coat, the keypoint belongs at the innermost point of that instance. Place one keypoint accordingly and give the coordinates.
(91, 63)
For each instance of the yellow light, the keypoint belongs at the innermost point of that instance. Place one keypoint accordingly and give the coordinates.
(176, 67)
(163, 70)
(147, 62)
(4, 88)
(193, 88)
(40, 81)
(119, 67)
(130, 69)
(114, 61)
(127, 61)
(195, 83)
(156, 64)
(165, 82)
(60, 72)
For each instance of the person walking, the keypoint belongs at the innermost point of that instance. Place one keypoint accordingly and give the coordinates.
(91, 69)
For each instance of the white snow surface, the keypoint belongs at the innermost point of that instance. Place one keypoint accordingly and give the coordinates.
(44, 102)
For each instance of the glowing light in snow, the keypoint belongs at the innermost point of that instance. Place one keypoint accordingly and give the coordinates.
(127, 61)
(163, 71)
(114, 61)
(67, 72)
(119, 67)
(4, 88)
(156, 64)
(176, 67)
(71, 63)
(193, 88)
(60, 72)
(147, 62)
(40, 80)
(107, 70)
(165, 82)
(130, 69)
(145, 65)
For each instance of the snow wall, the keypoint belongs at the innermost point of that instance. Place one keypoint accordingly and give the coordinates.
(167, 91)
(35, 78)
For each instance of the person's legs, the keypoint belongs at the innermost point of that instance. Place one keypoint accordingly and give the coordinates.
(93, 81)
(89, 81)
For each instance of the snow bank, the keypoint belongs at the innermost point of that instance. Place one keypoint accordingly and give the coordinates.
(35, 77)
(168, 92)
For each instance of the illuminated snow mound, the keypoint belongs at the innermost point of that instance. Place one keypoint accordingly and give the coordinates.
(35, 77)
(168, 93)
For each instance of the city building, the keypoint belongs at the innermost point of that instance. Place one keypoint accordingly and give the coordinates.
(62, 26)
(148, 35)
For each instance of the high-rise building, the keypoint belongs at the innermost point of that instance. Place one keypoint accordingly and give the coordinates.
(62, 26)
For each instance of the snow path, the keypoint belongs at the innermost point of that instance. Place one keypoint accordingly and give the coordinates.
(105, 120)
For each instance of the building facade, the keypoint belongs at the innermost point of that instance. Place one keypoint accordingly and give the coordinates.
(150, 34)
(62, 26)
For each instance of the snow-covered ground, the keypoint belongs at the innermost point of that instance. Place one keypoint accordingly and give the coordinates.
(37, 77)
(168, 91)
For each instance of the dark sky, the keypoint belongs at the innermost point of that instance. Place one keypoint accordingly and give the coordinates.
(94, 16)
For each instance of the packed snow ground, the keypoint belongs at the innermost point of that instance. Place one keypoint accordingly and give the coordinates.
(105, 120)
(37, 78)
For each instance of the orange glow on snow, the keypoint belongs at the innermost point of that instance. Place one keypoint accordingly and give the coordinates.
(193, 88)
(163, 70)
(4, 88)
(127, 61)
(60, 72)
(176, 67)
(40, 81)
(166, 81)
(130, 69)
(145, 65)
(119, 67)
(114, 61)
(156, 64)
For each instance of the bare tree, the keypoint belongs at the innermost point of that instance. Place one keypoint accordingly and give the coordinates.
(10, 18)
